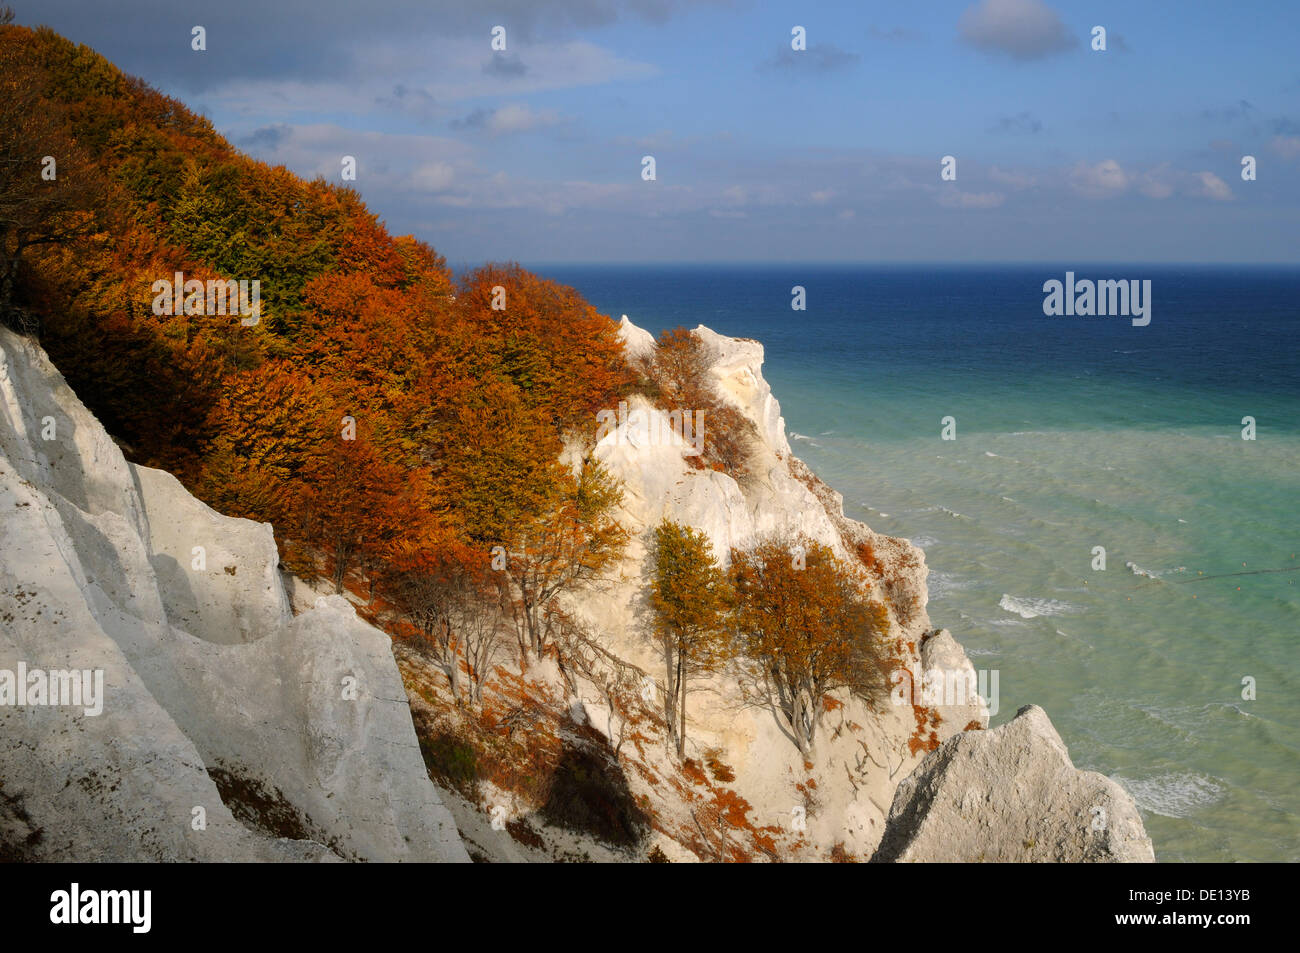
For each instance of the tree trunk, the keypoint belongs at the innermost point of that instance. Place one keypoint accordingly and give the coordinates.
(340, 567)
(681, 691)
(670, 695)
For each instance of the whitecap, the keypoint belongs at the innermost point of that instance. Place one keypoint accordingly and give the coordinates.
(1137, 570)
(988, 453)
(1173, 795)
(1240, 711)
(1028, 608)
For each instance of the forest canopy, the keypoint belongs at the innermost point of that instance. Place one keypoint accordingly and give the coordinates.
(377, 403)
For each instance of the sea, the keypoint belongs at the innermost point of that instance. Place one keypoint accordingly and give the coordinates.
(1175, 669)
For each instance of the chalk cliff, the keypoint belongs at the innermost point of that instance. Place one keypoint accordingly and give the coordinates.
(231, 729)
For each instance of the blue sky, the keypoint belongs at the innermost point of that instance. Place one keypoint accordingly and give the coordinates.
(762, 153)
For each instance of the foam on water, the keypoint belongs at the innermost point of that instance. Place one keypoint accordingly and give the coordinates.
(1173, 795)
(1028, 608)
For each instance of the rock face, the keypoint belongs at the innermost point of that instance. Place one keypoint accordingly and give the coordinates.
(962, 703)
(230, 729)
(1011, 795)
(860, 752)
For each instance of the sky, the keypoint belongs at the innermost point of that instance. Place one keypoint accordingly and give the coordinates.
(762, 153)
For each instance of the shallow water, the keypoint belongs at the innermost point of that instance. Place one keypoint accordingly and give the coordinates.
(1072, 433)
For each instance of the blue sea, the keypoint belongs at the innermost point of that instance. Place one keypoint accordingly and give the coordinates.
(1176, 669)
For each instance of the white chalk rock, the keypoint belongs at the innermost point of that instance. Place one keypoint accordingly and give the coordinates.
(229, 729)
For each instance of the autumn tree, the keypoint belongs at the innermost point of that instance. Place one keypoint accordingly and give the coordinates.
(48, 189)
(690, 595)
(267, 426)
(806, 627)
(565, 358)
(566, 546)
(680, 380)
(445, 592)
(353, 499)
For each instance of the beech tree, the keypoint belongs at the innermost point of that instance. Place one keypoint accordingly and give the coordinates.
(806, 626)
(691, 597)
(48, 190)
(444, 591)
(565, 547)
(353, 499)
(680, 381)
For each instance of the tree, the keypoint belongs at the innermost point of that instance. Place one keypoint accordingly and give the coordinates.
(266, 428)
(806, 626)
(443, 589)
(620, 683)
(566, 546)
(691, 596)
(681, 381)
(354, 499)
(48, 189)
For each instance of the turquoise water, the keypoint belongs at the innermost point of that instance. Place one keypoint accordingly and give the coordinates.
(1071, 434)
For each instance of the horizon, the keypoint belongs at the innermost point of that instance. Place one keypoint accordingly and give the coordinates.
(829, 153)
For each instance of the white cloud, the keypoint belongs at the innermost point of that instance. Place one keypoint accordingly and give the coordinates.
(1098, 180)
(434, 177)
(514, 117)
(1157, 183)
(1210, 186)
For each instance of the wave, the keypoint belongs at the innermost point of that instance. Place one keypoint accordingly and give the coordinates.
(1137, 570)
(1028, 608)
(1173, 795)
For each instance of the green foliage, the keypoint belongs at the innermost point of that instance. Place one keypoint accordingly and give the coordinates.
(691, 598)
(451, 761)
(689, 592)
